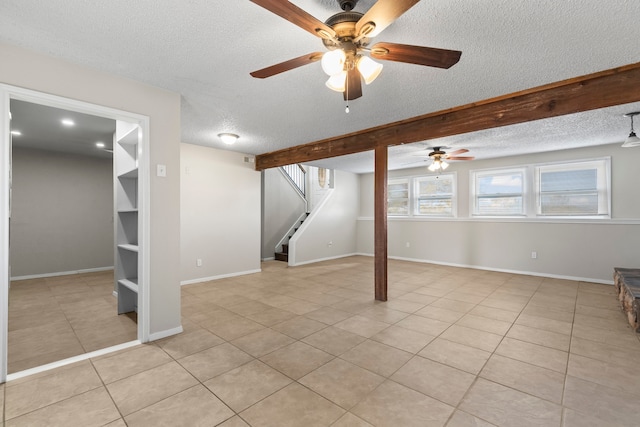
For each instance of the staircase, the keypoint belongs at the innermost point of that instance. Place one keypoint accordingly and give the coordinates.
(284, 254)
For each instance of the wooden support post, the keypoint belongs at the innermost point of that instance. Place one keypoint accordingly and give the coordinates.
(380, 222)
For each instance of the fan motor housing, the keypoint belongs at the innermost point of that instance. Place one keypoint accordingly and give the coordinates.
(344, 24)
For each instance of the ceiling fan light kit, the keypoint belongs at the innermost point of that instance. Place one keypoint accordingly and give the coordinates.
(368, 68)
(347, 36)
(337, 82)
(438, 165)
(333, 62)
(632, 140)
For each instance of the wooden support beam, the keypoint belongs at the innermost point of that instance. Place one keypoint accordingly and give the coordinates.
(599, 90)
(380, 223)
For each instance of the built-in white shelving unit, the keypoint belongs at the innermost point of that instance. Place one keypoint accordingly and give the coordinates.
(127, 223)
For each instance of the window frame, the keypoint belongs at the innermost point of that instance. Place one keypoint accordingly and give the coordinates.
(474, 176)
(392, 181)
(601, 164)
(453, 195)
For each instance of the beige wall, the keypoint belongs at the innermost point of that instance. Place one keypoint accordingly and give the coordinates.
(42, 73)
(220, 214)
(575, 249)
(61, 212)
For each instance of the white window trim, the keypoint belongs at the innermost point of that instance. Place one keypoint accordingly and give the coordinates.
(399, 180)
(576, 164)
(454, 195)
(473, 206)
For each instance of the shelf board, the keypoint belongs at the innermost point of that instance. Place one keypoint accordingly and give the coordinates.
(131, 284)
(128, 210)
(129, 138)
(128, 247)
(133, 173)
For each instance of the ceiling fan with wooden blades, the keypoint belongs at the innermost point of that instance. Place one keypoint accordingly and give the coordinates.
(347, 36)
(438, 157)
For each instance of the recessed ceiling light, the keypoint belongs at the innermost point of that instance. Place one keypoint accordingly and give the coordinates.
(100, 144)
(16, 133)
(68, 122)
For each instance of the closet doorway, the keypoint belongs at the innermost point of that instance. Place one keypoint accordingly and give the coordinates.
(64, 217)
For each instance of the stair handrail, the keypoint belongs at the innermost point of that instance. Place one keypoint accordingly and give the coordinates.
(298, 177)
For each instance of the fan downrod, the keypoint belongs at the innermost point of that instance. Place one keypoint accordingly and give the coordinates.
(347, 5)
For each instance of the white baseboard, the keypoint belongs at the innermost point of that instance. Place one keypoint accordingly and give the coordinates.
(166, 333)
(500, 270)
(322, 259)
(71, 360)
(221, 276)
(269, 259)
(61, 273)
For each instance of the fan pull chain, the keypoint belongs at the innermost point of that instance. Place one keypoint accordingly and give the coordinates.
(346, 110)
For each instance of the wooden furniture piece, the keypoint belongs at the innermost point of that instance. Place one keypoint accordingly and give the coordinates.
(627, 282)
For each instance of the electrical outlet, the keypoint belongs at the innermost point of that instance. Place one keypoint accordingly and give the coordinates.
(199, 262)
(330, 244)
(408, 244)
(534, 255)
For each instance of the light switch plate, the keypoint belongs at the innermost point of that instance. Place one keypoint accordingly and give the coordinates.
(161, 170)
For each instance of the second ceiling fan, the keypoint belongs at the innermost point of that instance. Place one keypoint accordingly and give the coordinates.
(347, 36)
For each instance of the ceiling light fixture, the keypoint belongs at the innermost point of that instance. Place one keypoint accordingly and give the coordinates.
(100, 144)
(228, 138)
(336, 63)
(632, 140)
(67, 122)
(333, 62)
(337, 82)
(16, 133)
(438, 165)
(368, 68)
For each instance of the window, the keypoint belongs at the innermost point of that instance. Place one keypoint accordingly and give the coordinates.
(498, 192)
(435, 195)
(573, 189)
(398, 197)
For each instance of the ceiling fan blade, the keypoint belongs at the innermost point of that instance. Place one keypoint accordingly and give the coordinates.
(287, 65)
(354, 85)
(382, 14)
(456, 152)
(460, 158)
(429, 56)
(297, 16)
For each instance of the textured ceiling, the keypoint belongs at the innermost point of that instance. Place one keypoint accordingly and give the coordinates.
(205, 49)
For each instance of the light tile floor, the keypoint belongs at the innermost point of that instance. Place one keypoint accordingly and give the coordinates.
(308, 346)
(54, 318)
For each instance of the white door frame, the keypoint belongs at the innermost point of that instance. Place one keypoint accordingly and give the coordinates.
(7, 93)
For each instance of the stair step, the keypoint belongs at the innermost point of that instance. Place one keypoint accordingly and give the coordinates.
(281, 256)
(285, 248)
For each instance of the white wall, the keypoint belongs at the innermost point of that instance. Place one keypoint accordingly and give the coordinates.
(282, 205)
(330, 231)
(62, 212)
(575, 249)
(220, 214)
(42, 73)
